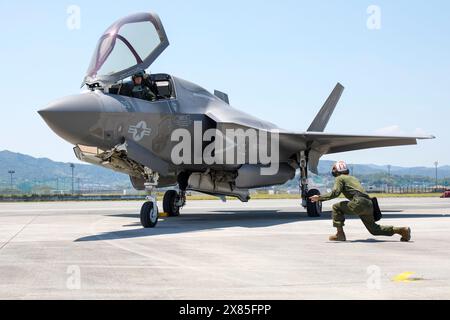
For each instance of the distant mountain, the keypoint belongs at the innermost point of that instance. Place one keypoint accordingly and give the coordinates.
(368, 169)
(31, 171)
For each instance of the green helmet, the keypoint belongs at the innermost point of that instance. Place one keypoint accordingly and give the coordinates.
(140, 74)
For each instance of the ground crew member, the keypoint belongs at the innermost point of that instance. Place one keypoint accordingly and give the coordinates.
(140, 89)
(359, 204)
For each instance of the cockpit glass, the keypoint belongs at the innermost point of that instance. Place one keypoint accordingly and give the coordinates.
(131, 42)
(142, 36)
(119, 59)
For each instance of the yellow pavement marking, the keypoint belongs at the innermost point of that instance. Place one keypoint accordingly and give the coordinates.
(405, 277)
(163, 215)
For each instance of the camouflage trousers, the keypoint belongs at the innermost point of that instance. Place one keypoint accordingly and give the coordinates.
(364, 209)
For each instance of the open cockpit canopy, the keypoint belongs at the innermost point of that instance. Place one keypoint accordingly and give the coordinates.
(129, 46)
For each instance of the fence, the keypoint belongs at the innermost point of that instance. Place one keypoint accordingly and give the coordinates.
(406, 190)
(48, 198)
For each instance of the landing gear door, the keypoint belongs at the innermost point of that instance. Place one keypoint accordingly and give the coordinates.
(129, 46)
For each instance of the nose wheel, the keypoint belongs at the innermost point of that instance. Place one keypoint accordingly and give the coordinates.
(149, 215)
(149, 211)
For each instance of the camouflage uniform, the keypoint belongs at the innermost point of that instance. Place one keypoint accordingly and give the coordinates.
(143, 92)
(359, 204)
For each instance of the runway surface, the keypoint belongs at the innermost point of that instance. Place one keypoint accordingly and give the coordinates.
(260, 250)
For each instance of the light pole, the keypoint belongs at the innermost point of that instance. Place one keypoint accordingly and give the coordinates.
(436, 164)
(72, 166)
(11, 172)
(389, 176)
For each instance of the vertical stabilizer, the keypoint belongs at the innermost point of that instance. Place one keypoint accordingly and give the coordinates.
(323, 117)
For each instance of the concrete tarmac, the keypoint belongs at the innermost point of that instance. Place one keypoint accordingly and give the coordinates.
(260, 250)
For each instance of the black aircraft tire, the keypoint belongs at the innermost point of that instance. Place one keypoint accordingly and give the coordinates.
(314, 209)
(149, 215)
(169, 203)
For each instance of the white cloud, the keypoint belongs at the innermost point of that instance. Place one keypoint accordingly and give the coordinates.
(420, 132)
(396, 130)
(393, 130)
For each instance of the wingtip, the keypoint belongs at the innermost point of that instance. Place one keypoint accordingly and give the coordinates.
(427, 137)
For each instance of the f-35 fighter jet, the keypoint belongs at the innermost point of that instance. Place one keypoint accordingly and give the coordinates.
(177, 133)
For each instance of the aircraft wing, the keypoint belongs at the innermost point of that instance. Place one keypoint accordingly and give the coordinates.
(321, 143)
(335, 143)
(315, 139)
(326, 143)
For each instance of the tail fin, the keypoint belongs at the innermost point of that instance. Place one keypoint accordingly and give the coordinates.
(320, 122)
(222, 96)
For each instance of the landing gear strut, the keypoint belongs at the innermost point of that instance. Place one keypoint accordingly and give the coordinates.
(314, 209)
(149, 211)
(173, 202)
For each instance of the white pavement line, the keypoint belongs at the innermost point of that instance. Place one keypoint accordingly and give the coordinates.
(136, 210)
(70, 210)
(241, 208)
(19, 232)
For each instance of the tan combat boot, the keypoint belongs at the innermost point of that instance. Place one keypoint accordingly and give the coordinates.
(405, 233)
(340, 236)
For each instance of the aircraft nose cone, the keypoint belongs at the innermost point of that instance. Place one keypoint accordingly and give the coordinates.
(74, 118)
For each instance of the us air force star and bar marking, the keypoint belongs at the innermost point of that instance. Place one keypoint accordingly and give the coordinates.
(140, 131)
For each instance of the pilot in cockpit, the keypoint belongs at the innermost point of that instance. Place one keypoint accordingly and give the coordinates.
(141, 89)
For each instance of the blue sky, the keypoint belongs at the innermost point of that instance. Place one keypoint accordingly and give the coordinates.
(278, 60)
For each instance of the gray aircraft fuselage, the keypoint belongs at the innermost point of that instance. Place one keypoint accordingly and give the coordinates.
(106, 120)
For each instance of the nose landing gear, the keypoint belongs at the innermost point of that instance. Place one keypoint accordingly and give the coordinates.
(149, 215)
(172, 203)
(149, 211)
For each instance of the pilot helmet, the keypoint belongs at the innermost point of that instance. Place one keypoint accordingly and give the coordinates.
(140, 74)
(339, 168)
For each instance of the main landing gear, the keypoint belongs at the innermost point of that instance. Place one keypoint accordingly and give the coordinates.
(314, 209)
(173, 201)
